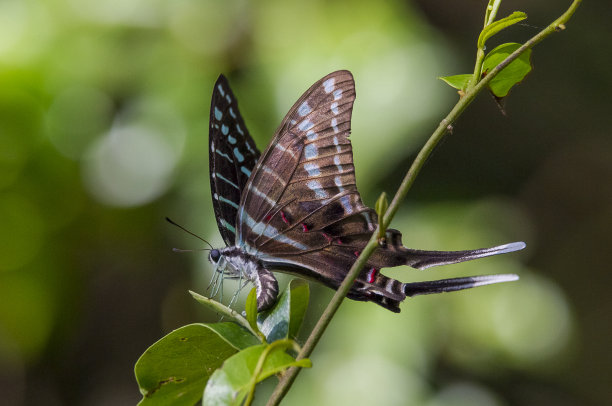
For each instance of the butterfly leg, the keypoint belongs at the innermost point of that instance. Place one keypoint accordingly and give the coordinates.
(241, 285)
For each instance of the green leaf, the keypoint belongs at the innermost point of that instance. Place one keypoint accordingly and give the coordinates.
(230, 384)
(299, 295)
(251, 312)
(176, 368)
(512, 74)
(236, 336)
(457, 81)
(499, 25)
(285, 318)
(251, 308)
(222, 309)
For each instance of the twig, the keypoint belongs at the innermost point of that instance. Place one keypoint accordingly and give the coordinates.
(283, 386)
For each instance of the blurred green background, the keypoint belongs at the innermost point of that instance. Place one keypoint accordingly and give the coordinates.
(103, 132)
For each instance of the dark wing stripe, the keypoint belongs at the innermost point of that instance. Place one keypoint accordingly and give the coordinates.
(232, 157)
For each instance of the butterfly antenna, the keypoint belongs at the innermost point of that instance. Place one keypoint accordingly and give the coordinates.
(188, 232)
(182, 250)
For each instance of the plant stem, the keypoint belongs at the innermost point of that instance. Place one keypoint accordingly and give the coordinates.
(445, 125)
(491, 12)
(285, 343)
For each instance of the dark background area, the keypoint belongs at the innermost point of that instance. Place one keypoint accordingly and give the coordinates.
(103, 133)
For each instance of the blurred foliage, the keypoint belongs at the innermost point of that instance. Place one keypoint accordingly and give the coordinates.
(103, 132)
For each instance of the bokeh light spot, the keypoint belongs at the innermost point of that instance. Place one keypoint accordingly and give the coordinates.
(131, 166)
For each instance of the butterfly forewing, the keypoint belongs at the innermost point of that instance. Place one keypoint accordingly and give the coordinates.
(233, 155)
(301, 207)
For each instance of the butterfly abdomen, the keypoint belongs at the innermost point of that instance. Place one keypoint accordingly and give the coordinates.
(372, 286)
(252, 269)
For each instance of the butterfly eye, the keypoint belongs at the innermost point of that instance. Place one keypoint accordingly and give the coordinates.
(214, 255)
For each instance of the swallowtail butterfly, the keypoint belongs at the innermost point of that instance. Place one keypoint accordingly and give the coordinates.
(296, 209)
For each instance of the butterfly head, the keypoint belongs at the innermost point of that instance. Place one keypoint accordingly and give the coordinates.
(223, 264)
(214, 256)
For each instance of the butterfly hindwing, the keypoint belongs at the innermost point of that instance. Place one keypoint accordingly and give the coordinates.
(233, 155)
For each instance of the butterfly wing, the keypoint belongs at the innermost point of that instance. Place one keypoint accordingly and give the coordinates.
(233, 156)
(301, 208)
(301, 212)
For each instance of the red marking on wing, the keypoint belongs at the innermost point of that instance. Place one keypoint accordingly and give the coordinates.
(356, 253)
(304, 228)
(372, 275)
(268, 217)
(284, 218)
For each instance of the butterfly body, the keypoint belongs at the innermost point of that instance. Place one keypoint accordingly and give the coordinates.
(295, 208)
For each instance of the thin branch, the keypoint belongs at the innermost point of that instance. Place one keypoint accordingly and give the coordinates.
(283, 386)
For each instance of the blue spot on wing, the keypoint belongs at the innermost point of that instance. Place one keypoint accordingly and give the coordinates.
(310, 151)
(238, 155)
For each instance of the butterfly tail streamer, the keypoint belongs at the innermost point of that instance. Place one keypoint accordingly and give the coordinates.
(389, 293)
(394, 253)
(420, 259)
(454, 284)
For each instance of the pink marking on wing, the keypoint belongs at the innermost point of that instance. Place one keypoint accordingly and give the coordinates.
(356, 253)
(284, 217)
(327, 237)
(338, 241)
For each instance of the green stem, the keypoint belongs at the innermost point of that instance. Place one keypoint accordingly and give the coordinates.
(480, 55)
(491, 12)
(289, 377)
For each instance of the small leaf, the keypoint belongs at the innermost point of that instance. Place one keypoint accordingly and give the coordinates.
(381, 208)
(512, 74)
(457, 81)
(499, 25)
(381, 205)
(229, 385)
(176, 368)
(251, 308)
(299, 295)
(251, 312)
(285, 318)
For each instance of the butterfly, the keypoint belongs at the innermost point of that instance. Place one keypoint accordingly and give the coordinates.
(296, 208)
